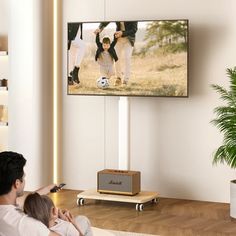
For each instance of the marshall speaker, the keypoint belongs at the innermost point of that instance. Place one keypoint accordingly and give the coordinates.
(118, 182)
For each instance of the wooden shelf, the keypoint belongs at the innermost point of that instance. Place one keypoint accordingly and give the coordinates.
(3, 115)
(3, 123)
(3, 88)
(4, 75)
(3, 53)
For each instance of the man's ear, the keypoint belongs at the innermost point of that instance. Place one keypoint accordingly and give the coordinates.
(17, 184)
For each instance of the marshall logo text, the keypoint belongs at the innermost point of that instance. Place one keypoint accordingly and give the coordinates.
(115, 182)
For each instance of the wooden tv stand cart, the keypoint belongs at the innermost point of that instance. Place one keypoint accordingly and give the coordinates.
(139, 199)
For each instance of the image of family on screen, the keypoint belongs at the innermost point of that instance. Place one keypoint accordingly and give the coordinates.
(131, 58)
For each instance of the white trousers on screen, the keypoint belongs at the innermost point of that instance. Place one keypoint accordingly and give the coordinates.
(124, 52)
(76, 52)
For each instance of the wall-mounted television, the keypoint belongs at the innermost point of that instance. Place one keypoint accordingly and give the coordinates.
(128, 58)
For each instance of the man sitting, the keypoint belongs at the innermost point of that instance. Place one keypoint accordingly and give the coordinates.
(13, 221)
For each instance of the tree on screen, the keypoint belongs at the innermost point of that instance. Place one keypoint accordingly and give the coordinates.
(166, 33)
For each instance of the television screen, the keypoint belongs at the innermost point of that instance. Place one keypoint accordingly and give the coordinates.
(129, 58)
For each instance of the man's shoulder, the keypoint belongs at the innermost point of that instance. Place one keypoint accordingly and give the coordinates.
(14, 219)
(6, 209)
(11, 210)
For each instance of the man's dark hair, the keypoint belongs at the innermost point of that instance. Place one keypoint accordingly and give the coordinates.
(11, 168)
(106, 40)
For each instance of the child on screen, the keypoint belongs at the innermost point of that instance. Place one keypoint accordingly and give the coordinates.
(106, 55)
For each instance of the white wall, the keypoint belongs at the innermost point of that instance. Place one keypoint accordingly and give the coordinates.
(172, 140)
(30, 87)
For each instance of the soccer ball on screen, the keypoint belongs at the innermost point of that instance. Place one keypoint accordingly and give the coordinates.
(102, 82)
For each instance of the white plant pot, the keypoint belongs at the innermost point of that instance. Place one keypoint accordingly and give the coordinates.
(233, 198)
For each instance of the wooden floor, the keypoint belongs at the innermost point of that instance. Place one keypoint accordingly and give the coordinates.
(168, 217)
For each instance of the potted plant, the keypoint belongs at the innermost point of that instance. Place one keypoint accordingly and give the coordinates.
(226, 122)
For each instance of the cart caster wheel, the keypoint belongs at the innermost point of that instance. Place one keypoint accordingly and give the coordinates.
(80, 202)
(155, 200)
(139, 207)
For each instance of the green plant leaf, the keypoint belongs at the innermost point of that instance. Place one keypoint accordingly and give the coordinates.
(225, 121)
